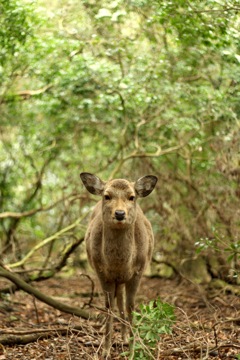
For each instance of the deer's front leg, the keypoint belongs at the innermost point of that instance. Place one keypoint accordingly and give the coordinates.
(109, 293)
(120, 302)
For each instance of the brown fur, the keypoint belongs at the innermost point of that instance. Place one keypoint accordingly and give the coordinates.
(119, 250)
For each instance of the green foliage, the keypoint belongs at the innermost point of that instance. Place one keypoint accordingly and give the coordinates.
(18, 24)
(149, 323)
(220, 245)
(15, 27)
(121, 89)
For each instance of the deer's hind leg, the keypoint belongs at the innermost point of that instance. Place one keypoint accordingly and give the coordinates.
(131, 290)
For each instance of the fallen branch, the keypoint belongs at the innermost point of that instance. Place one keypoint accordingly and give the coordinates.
(44, 298)
(22, 337)
(236, 320)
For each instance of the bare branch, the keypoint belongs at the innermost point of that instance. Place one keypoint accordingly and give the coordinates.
(46, 241)
(46, 273)
(17, 215)
(25, 94)
(137, 154)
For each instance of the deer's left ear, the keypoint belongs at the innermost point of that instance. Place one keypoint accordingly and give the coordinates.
(92, 183)
(145, 185)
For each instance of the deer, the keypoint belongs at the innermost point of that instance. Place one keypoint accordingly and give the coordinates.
(119, 244)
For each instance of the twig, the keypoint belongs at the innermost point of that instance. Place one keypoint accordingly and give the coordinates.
(36, 310)
(38, 331)
(26, 271)
(227, 320)
(92, 292)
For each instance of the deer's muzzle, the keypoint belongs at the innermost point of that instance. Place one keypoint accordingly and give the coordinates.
(120, 215)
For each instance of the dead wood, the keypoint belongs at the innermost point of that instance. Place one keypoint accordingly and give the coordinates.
(42, 297)
(9, 339)
(22, 337)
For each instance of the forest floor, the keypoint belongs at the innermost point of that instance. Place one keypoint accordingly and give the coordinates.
(207, 322)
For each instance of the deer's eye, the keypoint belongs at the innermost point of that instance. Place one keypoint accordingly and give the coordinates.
(132, 198)
(107, 197)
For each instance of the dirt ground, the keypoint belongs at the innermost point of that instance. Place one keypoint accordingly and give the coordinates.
(207, 321)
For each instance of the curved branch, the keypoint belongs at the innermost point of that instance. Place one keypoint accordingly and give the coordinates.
(137, 154)
(46, 241)
(17, 215)
(25, 94)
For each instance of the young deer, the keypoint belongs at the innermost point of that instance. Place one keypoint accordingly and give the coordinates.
(119, 242)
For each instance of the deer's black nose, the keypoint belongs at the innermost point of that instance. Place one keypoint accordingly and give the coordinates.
(119, 214)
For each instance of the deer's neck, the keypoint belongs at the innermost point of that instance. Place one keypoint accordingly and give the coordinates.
(118, 245)
(118, 236)
(118, 250)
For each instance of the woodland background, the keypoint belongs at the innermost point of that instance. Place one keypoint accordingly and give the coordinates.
(120, 89)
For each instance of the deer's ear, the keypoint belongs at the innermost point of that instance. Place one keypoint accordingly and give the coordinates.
(145, 185)
(92, 183)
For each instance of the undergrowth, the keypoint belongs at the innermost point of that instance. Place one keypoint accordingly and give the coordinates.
(149, 323)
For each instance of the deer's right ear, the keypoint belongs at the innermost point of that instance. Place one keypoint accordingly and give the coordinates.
(92, 183)
(145, 185)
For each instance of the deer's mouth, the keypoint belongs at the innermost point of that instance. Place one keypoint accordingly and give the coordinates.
(119, 221)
